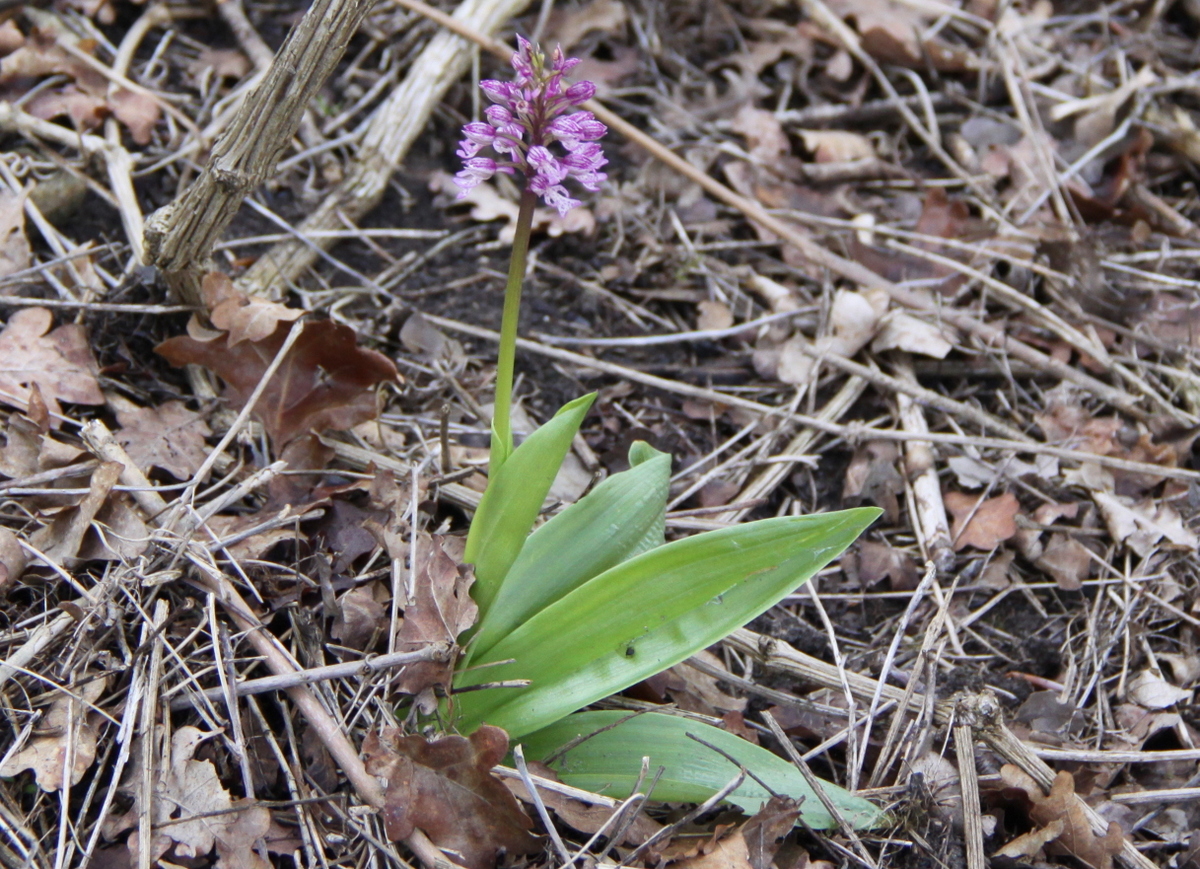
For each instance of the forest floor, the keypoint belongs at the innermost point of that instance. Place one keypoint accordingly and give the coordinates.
(938, 257)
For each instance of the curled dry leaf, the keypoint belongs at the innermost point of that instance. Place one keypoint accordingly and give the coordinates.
(58, 362)
(443, 609)
(168, 436)
(853, 321)
(12, 559)
(15, 253)
(1067, 560)
(764, 135)
(326, 382)
(1030, 844)
(1062, 804)
(445, 788)
(1150, 690)
(1142, 525)
(763, 832)
(360, 616)
(245, 318)
(837, 146)
(984, 525)
(68, 731)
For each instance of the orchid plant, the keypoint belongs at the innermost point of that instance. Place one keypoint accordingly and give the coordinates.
(594, 600)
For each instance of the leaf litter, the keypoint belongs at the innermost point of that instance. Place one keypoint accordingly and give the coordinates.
(1039, 237)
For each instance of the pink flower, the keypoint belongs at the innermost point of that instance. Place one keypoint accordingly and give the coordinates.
(475, 171)
(529, 115)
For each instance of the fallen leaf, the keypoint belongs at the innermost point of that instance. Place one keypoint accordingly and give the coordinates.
(86, 97)
(892, 31)
(192, 812)
(443, 609)
(1045, 713)
(696, 691)
(139, 112)
(1030, 844)
(974, 474)
(62, 538)
(167, 436)
(224, 63)
(986, 527)
(1150, 690)
(763, 832)
(1062, 804)
(59, 362)
(69, 727)
(12, 560)
(446, 789)
(901, 331)
(1141, 526)
(880, 561)
(608, 16)
(421, 336)
(326, 382)
(713, 316)
(1067, 560)
(765, 138)
(360, 617)
(872, 476)
(15, 253)
(853, 321)
(728, 852)
(256, 545)
(245, 318)
(837, 146)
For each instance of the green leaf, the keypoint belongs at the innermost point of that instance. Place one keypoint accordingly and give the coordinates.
(609, 763)
(647, 614)
(620, 518)
(514, 496)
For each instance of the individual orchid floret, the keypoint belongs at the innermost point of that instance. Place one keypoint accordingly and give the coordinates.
(529, 116)
(475, 171)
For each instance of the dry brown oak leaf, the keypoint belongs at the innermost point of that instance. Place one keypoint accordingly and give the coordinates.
(446, 789)
(67, 731)
(443, 609)
(59, 362)
(1062, 805)
(982, 524)
(326, 381)
(169, 436)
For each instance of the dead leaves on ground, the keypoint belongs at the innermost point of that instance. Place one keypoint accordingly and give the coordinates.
(64, 738)
(57, 361)
(193, 814)
(1062, 822)
(325, 382)
(446, 789)
(87, 97)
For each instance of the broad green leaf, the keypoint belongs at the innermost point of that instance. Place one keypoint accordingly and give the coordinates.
(609, 762)
(647, 614)
(620, 518)
(513, 498)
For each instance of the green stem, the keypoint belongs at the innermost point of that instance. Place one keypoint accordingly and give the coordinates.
(502, 442)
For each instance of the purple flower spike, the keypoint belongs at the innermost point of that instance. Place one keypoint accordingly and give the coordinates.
(528, 116)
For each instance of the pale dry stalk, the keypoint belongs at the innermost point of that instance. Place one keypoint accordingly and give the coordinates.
(181, 236)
